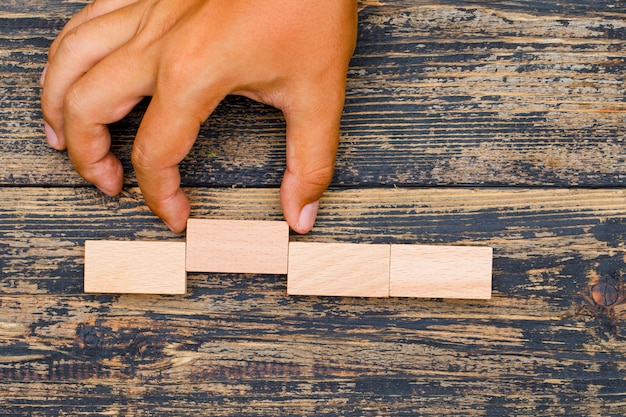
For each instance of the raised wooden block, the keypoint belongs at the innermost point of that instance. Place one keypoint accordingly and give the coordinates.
(441, 271)
(237, 246)
(338, 269)
(138, 267)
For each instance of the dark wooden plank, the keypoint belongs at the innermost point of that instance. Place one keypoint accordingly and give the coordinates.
(147, 353)
(444, 92)
(539, 346)
(499, 93)
(546, 7)
(44, 229)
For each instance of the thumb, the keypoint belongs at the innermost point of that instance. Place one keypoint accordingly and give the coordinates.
(312, 141)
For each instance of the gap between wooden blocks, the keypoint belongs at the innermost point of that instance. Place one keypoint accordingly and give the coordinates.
(312, 268)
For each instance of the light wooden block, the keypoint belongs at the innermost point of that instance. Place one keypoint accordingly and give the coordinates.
(237, 246)
(338, 269)
(139, 267)
(441, 271)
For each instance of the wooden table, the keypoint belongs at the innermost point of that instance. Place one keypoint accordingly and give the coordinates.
(496, 123)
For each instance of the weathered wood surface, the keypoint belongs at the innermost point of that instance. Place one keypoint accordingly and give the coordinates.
(502, 93)
(240, 345)
(516, 93)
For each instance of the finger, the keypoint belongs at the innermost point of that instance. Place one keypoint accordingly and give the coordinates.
(167, 132)
(81, 49)
(104, 95)
(89, 12)
(312, 141)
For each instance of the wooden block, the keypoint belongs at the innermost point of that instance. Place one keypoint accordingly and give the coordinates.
(237, 246)
(138, 267)
(338, 269)
(441, 271)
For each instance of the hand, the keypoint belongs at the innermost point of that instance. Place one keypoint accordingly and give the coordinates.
(188, 55)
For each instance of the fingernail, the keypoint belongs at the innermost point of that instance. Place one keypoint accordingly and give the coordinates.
(175, 229)
(53, 139)
(105, 191)
(42, 79)
(176, 225)
(306, 220)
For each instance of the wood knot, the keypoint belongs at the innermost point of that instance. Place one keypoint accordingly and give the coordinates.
(608, 291)
(604, 294)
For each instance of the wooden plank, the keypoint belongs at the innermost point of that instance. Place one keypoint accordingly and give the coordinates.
(548, 7)
(450, 98)
(460, 92)
(338, 269)
(537, 346)
(237, 246)
(135, 267)
(431, 271)
(382, 355)
(534, 231)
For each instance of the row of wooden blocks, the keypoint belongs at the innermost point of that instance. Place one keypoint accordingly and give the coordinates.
(263, 247)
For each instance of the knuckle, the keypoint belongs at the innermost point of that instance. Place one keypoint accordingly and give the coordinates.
(73, 106)
(319, 176)
(72, 43)
(140, 158)
(175, 74)
(48, 105)
(92, 10)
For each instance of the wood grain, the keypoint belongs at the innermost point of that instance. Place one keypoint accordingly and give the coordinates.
(237, 246)
(338, 269)
(460, 93)
(239, 344)
(517, 105)
(134, 267)
(432, 271)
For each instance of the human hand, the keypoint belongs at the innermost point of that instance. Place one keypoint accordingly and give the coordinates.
(188, 55)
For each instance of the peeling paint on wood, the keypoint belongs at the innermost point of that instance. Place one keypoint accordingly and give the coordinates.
(493, 96)
(238, 340)
(461, 93)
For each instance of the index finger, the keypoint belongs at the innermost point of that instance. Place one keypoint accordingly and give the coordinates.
(87, 13)
(83, 47)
